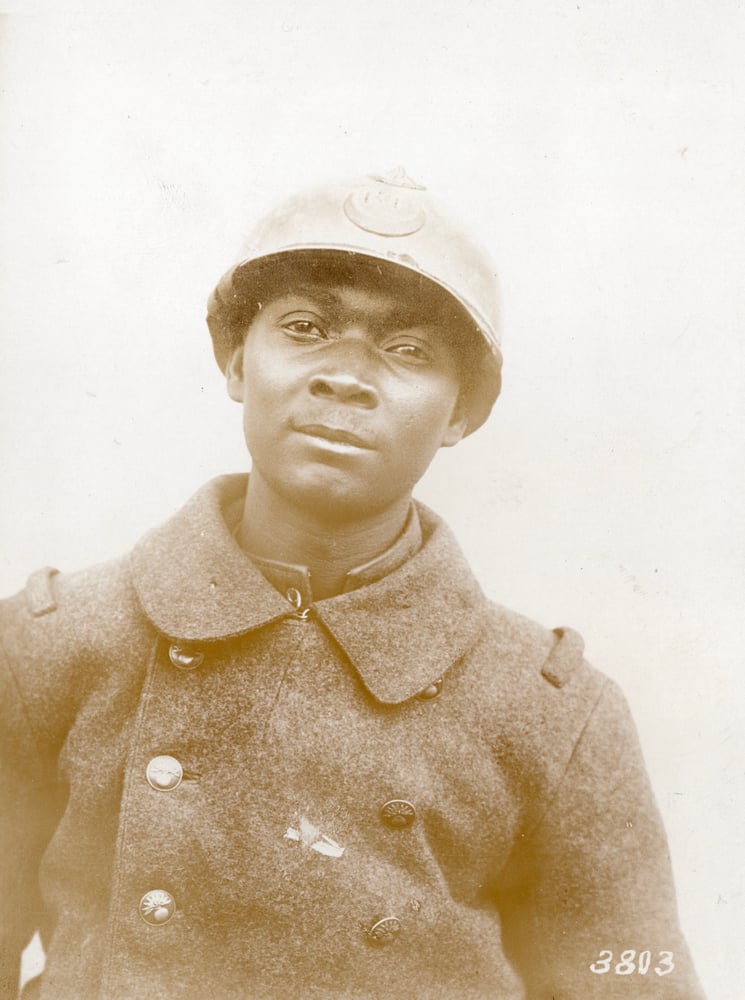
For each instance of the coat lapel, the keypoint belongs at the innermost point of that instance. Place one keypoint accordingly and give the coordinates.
(401, 633)
(404, 632)
(193, 580)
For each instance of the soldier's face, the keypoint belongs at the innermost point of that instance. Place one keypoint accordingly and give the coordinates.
(347, 394)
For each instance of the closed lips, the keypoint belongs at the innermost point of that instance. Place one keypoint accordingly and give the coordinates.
(336, 434)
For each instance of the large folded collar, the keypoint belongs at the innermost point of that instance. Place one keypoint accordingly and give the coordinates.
(401, 633)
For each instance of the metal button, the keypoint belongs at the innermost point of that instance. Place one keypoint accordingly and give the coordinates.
(295, 598)
(398, 813)
(164, 773)
(157, 907)
(431, 691)
(385, 931)
(185, 659)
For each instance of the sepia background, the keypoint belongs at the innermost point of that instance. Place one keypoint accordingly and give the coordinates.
(597, 148)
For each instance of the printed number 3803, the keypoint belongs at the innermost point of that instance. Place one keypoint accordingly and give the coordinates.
(629, 963)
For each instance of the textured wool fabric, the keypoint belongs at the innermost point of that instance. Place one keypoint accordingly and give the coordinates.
(410, 792)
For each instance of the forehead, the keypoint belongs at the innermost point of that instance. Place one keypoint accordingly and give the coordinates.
(331, 271)
(376, 287)
(352, 302)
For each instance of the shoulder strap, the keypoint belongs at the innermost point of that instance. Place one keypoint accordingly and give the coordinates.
(39, 592)
(564, 658)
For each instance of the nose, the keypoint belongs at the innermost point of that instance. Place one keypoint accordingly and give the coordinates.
(344, 375)
(345, 387)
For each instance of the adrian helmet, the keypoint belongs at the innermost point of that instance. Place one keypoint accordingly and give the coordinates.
(384, 217)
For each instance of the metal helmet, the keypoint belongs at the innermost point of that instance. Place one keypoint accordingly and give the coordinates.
(386, 217)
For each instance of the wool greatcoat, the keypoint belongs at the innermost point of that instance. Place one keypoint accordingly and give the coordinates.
(405, 791)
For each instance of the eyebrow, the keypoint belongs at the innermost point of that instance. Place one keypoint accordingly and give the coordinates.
(321, 296)
(398, 313)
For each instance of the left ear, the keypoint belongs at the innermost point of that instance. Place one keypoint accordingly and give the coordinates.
(234, 375)
(456, 428)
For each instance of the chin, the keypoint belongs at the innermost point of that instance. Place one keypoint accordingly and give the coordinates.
(329, 496)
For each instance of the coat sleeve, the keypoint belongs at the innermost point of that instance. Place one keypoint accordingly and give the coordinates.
(594, 914)
(27, 798)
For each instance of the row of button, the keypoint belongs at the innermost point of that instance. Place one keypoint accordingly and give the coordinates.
(186, 659)
(158, 906)
(164, 773)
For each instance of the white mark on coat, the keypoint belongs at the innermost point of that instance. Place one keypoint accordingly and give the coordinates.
(310, 837)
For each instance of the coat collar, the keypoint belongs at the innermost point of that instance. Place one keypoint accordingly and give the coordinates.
(285, 576)
(401, 633)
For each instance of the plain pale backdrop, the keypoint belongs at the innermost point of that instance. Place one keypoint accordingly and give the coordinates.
(597, 148)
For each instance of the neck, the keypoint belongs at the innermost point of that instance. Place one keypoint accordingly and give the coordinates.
(274, 528)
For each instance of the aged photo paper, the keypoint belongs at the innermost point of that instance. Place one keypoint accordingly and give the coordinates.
(596, 149)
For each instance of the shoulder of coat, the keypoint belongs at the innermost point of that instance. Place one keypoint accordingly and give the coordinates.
(64, 634)
(48, 590)
(74, 605)
(555, 655)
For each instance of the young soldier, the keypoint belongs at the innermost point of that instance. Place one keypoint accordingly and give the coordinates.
(287, 747)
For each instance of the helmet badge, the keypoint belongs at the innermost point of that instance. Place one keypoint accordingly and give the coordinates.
(387, 205)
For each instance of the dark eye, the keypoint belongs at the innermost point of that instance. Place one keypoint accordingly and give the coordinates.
(410, 351)
(303, 330)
